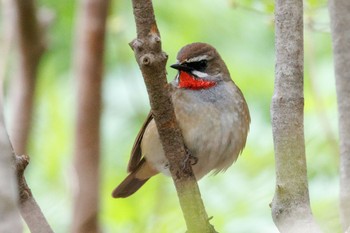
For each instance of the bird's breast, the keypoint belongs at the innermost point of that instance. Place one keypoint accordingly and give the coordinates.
(211, 121)
(214, 123)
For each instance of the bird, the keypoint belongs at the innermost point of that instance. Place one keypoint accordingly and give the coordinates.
(211, 112)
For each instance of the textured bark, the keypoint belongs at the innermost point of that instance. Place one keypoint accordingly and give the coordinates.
(290, 206)
(152, 61)
(31, 47)
(29, 208)
(340, 24)
(89, 70)
(10, 220)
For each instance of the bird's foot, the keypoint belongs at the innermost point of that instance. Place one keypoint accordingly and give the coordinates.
(189, 159)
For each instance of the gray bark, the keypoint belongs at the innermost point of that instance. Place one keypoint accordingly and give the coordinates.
(10, 219)
(290, 206)
(29, 208)
(340, 26)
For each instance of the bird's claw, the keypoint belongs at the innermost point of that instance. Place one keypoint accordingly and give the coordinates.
(189, 159)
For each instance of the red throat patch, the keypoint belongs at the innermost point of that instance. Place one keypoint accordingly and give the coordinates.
(190, 82)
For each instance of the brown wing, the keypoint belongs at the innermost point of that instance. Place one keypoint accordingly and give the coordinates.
(136, 154)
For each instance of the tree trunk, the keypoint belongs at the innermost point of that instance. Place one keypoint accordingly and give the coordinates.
(89, 70)
(340, 24)
(291, 210)
(31, 47)
(7, 32)
(152, 61)
(10, 220)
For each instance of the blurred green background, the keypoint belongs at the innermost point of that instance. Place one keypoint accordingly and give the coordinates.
(243, 33)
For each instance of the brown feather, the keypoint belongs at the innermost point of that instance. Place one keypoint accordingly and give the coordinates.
(136, 154)
(134, 180)
(129, 186)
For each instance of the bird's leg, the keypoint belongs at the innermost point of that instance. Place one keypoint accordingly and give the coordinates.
(189, 159)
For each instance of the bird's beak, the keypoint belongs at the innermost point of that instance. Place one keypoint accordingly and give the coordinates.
(183, 67)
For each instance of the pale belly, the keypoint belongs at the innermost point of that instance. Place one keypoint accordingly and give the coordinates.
(212, 134)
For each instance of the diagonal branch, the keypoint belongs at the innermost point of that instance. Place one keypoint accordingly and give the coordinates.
(152, 61)
(10, 219)
(31, 48)
(29, 208)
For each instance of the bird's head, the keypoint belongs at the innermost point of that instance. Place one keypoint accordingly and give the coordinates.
(200, 67)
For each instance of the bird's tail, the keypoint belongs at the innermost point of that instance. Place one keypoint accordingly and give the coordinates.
(129, 186)
(135, 180)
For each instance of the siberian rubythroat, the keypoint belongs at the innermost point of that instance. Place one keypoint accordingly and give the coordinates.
(212, 115)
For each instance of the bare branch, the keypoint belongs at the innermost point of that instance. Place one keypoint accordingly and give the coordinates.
(10, 220)
(31, 47)
(152, 61)
(7, 11)
(30, 210)
(340, 26)
(89, 52)
(290, 206)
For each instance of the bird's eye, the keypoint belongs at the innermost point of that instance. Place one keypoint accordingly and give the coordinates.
(198, 65)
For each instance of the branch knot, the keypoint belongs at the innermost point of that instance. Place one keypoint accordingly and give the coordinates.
(146, 60)
(136, 45)
(155, 42)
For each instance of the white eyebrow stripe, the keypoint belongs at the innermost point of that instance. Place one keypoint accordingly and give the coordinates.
(199, 74)
(199, 58)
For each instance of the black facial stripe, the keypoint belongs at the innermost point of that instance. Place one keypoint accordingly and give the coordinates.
(197, 65)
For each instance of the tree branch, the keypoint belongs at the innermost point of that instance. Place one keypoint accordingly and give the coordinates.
(152, 61)
(29, 208)
(340, 26)
(6, 34)
(89, 50)
(10, 220)
(291, 205)
(31, 48)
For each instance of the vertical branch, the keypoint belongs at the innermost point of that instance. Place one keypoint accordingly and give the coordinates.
(340, 24)
(290, 206)
(152, 61)
(7, 13)
(89, 71)
(31, 47)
